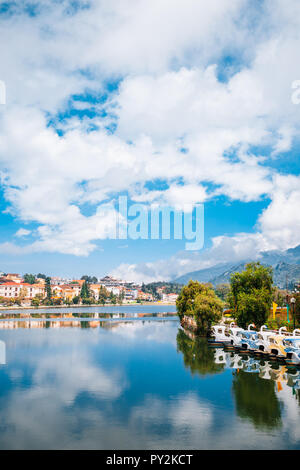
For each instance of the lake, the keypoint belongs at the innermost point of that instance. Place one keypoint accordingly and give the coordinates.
(117, 309)
(138, 384)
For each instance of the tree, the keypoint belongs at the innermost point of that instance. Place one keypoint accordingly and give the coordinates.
(103, 295)
(35, 302)
(279, 297)
(23, 293)
(48, 288)
(76, 299)
(29, 278)
(89, 279)
(120, 298)
(222, 291)
(200, 301)
(41, 276)
(251, 294)
(113, 298)
(85, 291)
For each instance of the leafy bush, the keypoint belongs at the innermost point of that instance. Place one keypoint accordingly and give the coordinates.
(200, 301)
(251, 294)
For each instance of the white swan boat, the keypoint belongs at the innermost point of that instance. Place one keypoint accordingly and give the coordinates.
(263, 338)
(235, 334)
(248, 340)
(220, 335)
(291, 346)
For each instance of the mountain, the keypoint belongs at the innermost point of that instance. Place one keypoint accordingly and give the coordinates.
(204, 275)
(286, 274)
(285, 264)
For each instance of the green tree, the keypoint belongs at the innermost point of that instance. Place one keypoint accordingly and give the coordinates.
(85, 291)
(48, 288)
(41, 276)
(113, 298)
(279, 297)
(200, 301)
(222, 291)
(251, 294)
(36, 301)
(29, 278)
(120, 298)
(103, 295)
(76, 300)
(89, 279)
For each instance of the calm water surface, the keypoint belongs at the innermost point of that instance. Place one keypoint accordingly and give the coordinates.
(138, 384)
(126, 309)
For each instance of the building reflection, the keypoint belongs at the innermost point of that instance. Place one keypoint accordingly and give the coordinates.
(107, 321)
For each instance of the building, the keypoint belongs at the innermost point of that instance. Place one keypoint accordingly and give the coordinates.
(12, 290)
(145, 296)
(94, 290)
(66, 292)
(171, 298)
(12, 278)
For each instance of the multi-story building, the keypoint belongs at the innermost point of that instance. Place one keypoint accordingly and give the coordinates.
(66, 291)
(27, 291)
(12, 278)
(145, 296)
(169, 298)
(94, 289)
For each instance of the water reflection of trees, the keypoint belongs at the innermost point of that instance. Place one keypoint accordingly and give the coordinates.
(255, 397)
(197, 355)
(256, 400)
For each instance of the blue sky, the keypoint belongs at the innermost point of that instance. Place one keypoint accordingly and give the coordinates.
(97, 106)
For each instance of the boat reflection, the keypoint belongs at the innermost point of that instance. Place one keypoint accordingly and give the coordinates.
(260, 387)
(197, 354)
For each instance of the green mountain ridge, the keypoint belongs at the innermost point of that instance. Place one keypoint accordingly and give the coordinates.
(285, 264)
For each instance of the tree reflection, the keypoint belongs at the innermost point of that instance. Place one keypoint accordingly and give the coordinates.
(256, 400)
(197, 355)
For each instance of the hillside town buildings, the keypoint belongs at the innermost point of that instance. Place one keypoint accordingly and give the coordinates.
(14, 288)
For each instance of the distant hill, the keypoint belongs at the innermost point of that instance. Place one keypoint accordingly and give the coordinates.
(286, 266)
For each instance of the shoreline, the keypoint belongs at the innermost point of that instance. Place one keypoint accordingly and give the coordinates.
(44, 307)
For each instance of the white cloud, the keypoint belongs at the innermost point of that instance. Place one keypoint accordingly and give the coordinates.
(176, 121)
(22, 232)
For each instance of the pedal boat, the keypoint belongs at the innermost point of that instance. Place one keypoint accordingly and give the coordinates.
(263, 336)
(248, 340)
(219, 336)
(276, 346)
(292, 348)
(235, 334)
